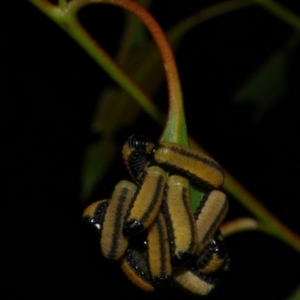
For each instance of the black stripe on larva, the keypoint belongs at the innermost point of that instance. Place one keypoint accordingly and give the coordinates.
(191, 221)
(217, 220)
(187, 153)
(118, 223)
(182, 257)
(135, 226)
(191, 177)
(185, 173)
(210, 280)
(204, 286)
(169, 224)
(154, 199)
(162, 247)
(214, 247)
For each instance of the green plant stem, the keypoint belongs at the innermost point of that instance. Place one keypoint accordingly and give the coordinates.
(280, 12)
(62, 3)
(295, 294)
(132, 26)
(203, 15)
(71, 25)
(239, 225)
(175, 129)
(269, 222)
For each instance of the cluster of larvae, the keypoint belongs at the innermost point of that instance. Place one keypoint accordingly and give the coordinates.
(148, 226)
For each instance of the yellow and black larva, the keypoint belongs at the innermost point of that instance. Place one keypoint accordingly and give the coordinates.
(176, 243)
(209, 216)
(214, 258)
(199, 168)
(135, 267)
(113, 243)
(136, 153)
(196, 277)
(195, 282)
(159, 257)
(146, 202)
(93, 215)
(180, 219)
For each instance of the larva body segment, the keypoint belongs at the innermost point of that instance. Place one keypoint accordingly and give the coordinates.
(199, 168)
(159, 252)
(180, 220)
(214, 258)
(113, 243)
(93, 216)
(209, 217)
(146, 203)
(194, 282)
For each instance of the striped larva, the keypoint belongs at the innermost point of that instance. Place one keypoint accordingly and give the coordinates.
(146, 202)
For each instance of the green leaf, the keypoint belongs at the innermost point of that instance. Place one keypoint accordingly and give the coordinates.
(97, 160)
(266, 86)
(295, 295)
(196, 196)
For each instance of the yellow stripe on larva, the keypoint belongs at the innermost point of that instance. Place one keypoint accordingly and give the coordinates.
(201, 169)
(180, 219)
(192, 282)
(215, 263)
(91, 210)
(159, 252)
(210, 215)
(93, 216)
(146, 202)
(113, 243)
(134, 265)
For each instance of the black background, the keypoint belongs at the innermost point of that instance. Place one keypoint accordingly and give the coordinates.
(49, 87)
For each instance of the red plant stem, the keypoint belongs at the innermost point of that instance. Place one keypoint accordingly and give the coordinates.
(174, 87)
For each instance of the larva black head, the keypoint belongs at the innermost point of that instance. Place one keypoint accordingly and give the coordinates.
(93, 215)
(162, 282)
(213, 258)
(132, 228)
(218, 246)
(139, 143)
(136, 154)
(180, 259)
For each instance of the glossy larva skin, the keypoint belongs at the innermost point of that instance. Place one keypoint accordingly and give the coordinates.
(93, 215)
(181, 223)
(113, 243)
(177, 245)
(209, 216)
(146, 202)
(159, 257)
(107, 216)
(135, 267)
(214, 258)
(199, 168)
(195, 282)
